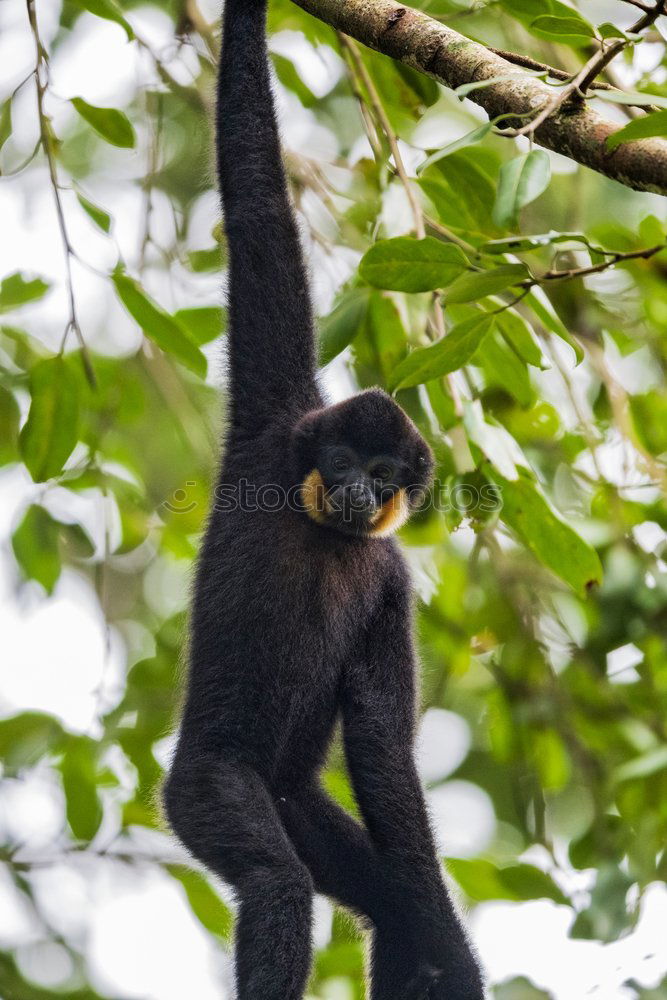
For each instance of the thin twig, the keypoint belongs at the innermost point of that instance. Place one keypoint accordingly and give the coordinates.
(586, 75)
(45, 139)
(527, 62)
(190, 95)
(381, 115)
(192, 18)
(154, 115)
(22, 83)
(369, 128)
(449, 235)
(605, 56)
(582, 272)
(638, 3)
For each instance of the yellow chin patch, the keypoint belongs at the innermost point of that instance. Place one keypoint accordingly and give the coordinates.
(388, 519)
(312, 497)
(391, 515)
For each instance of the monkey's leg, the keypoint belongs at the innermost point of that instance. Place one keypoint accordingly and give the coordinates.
(224, 815)
(337, 851)
(346, 867)
(420, 948)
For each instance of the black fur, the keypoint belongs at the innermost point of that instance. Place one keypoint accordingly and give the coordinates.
(295, 623)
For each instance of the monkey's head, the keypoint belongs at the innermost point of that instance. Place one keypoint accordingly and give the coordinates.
(362, 464)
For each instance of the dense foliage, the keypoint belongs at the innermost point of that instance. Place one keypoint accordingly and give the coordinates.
(543, 621)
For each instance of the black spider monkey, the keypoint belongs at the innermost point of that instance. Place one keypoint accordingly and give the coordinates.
(302, 615)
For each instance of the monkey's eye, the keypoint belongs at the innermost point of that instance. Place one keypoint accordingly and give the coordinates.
(341, 463)
(381, 471)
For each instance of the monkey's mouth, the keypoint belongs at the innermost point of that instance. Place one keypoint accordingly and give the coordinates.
(348, 518)
(354, 515)
(351, 505)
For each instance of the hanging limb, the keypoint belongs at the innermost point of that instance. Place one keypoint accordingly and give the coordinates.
(41, 82)
(421, 42)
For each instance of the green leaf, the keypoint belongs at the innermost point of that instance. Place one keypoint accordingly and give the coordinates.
(405, 264)
(52, 428)
(608, 916)
(443, 357)
(134, 525)
(289, 76)
(5, 121)
(475, 285)
(108, 10)
(494, 441)
(101, 218)
(640, 128)
(26, 738)
(205, 260)
(35, 545)
(554, 543)
(569, 30)
(462, 192)
(77, 541)
(343, 323)
(442, 404)
(79, 772)
(520, 988)
(204, 901)
(528, 882)
(203, 323)
(547, 315)
(505, 368)
(468, 88)
(521, 181)
(526, 11)
(382, 343)
(112, 124)
(9, 426)
(649, 414)
(159, 325)
(652, 231)
(521, 338)
(481, 880)
(17, 291)
(609, 30)
(469, 139)
(633, 97)
(522, 244)
(643, 766)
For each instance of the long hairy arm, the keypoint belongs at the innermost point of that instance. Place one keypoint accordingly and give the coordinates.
(272, 352)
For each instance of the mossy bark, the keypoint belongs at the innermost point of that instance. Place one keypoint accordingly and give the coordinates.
(576, 130)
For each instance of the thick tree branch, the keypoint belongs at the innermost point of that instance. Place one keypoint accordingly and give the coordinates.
(432, 48)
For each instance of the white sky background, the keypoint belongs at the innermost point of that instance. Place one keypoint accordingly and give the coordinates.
(139, 936)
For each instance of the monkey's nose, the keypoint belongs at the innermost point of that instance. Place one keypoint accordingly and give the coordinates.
(361, 497)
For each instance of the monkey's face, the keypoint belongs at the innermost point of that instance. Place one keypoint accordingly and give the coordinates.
(362, 465)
